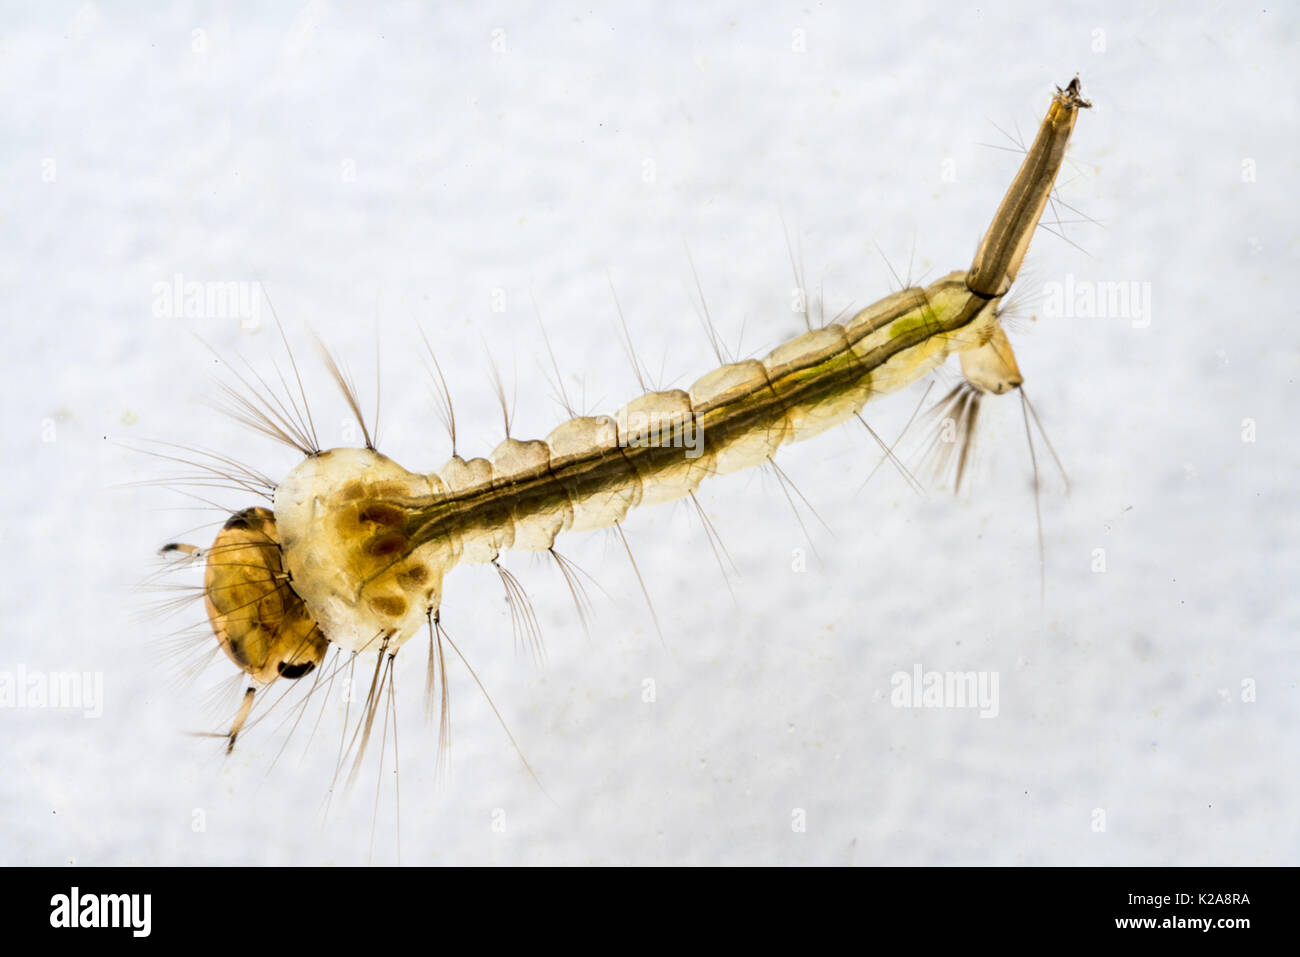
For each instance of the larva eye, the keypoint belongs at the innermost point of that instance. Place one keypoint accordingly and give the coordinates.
(256, 616)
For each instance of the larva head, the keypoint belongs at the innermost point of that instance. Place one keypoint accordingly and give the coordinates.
(345, 519)
(261, 623)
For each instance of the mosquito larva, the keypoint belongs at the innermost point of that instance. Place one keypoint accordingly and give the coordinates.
(356, 547)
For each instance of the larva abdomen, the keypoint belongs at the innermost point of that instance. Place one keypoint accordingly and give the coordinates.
(355, 525)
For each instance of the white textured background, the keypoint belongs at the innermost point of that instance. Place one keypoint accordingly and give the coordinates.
(138, 149)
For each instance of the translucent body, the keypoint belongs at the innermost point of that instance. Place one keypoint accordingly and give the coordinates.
(366, 544)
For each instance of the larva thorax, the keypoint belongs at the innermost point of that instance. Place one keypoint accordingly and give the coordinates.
(342, 517)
